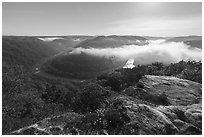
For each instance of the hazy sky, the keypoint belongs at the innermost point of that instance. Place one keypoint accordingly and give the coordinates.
(155, 19)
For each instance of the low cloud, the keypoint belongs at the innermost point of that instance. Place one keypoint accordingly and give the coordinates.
(158, 51)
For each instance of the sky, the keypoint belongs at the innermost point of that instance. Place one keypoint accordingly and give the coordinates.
(121, 18)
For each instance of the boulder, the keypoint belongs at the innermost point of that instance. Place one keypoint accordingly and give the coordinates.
(179, 91)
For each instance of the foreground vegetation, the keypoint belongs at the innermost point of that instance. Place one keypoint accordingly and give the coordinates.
(28, 98)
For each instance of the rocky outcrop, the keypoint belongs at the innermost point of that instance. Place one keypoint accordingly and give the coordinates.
(178, 101)
(166, 120)
(179, 91)
(51, 126)
(157, 105)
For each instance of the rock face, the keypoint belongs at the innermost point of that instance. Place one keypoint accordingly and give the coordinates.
(162, 120)
(158, 105)
(129, 64)
(179, 91)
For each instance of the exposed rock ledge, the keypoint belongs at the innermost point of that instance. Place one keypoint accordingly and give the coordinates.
(179, 91)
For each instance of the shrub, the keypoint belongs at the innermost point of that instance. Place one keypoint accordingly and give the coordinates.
(90, 98)
(140, 85)
(115, 119)
(113, 80)
(52, 94)
(163, 99)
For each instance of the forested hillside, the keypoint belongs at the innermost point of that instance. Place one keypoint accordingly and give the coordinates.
(112, 41)
(26, 51)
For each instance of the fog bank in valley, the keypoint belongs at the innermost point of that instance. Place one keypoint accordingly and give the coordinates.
(155, 51)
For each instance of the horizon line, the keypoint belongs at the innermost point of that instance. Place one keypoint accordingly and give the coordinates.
(97, 35)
